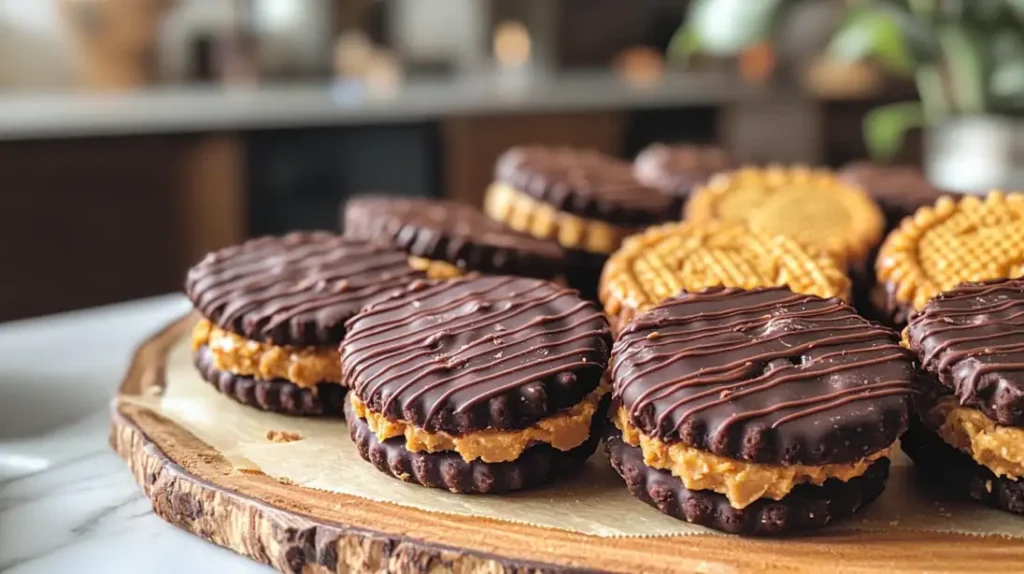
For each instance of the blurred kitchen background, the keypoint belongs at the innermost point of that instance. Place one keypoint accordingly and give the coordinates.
(136, 135)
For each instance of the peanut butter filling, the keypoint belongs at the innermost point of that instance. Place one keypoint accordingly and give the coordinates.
(564, 431)
(523, 213)
(741, 482)
(303, 366)
(996, 447)
(434, 269)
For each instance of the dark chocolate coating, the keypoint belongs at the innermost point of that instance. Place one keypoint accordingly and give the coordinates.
(586, 183)
(764, 375)
(899, 190)
(279, 396)
(537, 465)
(677, 169)
(956, 474)
(454, 232)
(475, 353)
(298, 289)
(805, 507)
(972, 340)
(583, 272)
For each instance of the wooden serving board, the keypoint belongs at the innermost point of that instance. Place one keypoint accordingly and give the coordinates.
(296, 529)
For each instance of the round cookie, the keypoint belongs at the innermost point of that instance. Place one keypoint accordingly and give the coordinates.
(750, 394)
(274, 310)
(972, 239)
(899, 190)
(814, 207)
(668, 259)
(585, 201)
(971, 339)
(451, 237)
(806, 507)
(954, 473)
(490, 370)
(970, 346)
(676, 170)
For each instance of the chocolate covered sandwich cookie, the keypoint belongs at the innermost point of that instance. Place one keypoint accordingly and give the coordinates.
(274, 310)
(668, 259)
(676, 170)
(812, 206)
(954, 241)
(757, 411)
(585, 201)
(899, 190)
(477, 384)
(970, 436)
(447, 239)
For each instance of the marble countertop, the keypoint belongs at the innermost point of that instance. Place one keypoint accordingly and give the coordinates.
(175, 110)
(67, 502)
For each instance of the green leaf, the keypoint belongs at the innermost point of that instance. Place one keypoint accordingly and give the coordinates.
(878, 32)
(684, 45)
(965, 63)
(932, 91)
(886, 126)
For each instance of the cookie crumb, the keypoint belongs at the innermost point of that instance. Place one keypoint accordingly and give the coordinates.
(988, 485)
(283, 436)
(249, 471)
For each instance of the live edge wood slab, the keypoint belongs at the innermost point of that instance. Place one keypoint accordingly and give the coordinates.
(300, 530)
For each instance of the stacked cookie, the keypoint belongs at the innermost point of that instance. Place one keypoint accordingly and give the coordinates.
(477, 384)
(757, 411)
(584, 201)
(969, 439)
(273, 314)
(447, 239)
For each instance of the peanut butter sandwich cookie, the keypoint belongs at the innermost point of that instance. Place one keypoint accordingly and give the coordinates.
(757, 412)
(585, 201)
(274, 312)
(668, 259)
(899, 190)
(972, 239)
(447, 239)
(969, 440)
(676, 170)
(478, 384)
(812, 206)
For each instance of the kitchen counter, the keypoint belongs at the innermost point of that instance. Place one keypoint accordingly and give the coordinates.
(206, 109)
(67, 502)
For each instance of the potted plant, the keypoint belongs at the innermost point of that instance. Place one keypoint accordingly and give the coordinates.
(965, 57)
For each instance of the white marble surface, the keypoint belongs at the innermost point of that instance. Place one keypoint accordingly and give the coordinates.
(169, 110)
(67, 502)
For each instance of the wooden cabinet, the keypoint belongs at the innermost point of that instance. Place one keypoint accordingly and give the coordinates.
(86, 222)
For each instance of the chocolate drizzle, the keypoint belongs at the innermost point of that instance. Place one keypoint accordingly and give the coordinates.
(972, 340)
(585, 183)
(298, 289)
(475, 353)
(764, 375)
(454, 232)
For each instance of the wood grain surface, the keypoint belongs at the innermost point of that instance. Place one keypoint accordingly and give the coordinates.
(296, 529)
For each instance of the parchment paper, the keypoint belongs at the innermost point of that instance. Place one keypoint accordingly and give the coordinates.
(594, 502)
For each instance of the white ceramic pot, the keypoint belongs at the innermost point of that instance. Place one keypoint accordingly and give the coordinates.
(976, 154)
